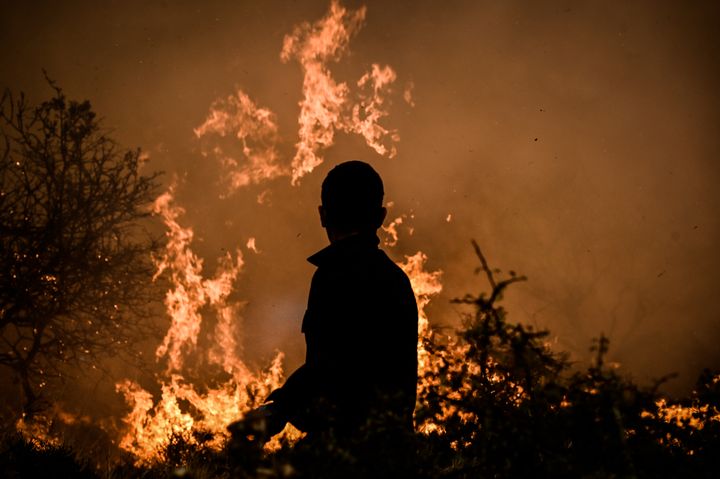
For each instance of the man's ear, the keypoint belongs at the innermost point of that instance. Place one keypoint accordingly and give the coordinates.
(323, 220)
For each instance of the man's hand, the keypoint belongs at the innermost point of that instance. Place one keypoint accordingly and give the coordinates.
(258, 425)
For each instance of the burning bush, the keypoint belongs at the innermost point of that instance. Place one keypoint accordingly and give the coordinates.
(500, 403)
(495, 402)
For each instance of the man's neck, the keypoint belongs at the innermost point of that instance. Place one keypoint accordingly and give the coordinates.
(334, 236)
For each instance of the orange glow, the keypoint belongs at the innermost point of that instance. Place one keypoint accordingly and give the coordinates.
(41, 430)
(371, 108)
(257, 130)
(327, 105)
(683, 415)
(252, 246)
(313, 46)
(391, 231)
(425, 285)
(152, 421)
(468, 135)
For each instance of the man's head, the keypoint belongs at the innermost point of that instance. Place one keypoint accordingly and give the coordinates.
(352, 200)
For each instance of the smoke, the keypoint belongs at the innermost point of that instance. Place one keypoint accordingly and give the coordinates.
(574, 141)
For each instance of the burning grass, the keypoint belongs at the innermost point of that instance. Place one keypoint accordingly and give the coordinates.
(494, 401)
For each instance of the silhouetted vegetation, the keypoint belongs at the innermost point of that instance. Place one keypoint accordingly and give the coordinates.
(498, 403)
(75, 260)
(518, 411)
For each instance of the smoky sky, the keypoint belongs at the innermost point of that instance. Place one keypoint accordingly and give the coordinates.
(577, 142)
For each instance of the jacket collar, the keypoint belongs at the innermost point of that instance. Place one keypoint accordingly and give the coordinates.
(345, 248)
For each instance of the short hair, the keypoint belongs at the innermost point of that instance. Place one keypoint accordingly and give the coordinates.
(352, 196)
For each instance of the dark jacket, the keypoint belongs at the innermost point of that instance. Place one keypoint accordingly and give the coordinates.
(361, 334)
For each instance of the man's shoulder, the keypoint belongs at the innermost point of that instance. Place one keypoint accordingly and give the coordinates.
(376, 264)
(393, 271)
(389, 263)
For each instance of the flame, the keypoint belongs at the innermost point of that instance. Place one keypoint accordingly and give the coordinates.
(391, 231)
(683, 416)
(257, 130)
(326, 105)
(43, 429)
(321, 109)
(367, 113)
(191, 291)
(185, 405)
(425, 285)
(38, 432)
(245, 139)
(252, 246)
(150, 424)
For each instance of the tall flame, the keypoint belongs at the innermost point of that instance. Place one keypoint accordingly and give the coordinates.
(425, 284)
(236, 124)
(367, 113)
(151, 424)
(326, 105)
(244, 137)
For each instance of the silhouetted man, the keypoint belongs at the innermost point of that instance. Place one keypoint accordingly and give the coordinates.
(360, 327)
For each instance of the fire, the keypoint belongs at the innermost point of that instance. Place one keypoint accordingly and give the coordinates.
(151, 424)
(326, 105)
(367, 113)
(322, 107)
(683, 416)
(391, 231)
(252, 246)
(256, 129)
(244, 138)
(425, 285)
(204, 389)
(42, 429)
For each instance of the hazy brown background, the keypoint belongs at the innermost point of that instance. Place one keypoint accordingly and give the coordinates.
(576, 141)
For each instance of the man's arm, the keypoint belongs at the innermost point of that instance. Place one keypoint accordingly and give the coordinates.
(293, 393)
(295, 400)
(283, 405)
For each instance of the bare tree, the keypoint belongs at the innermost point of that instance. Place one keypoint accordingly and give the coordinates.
(75, 256)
